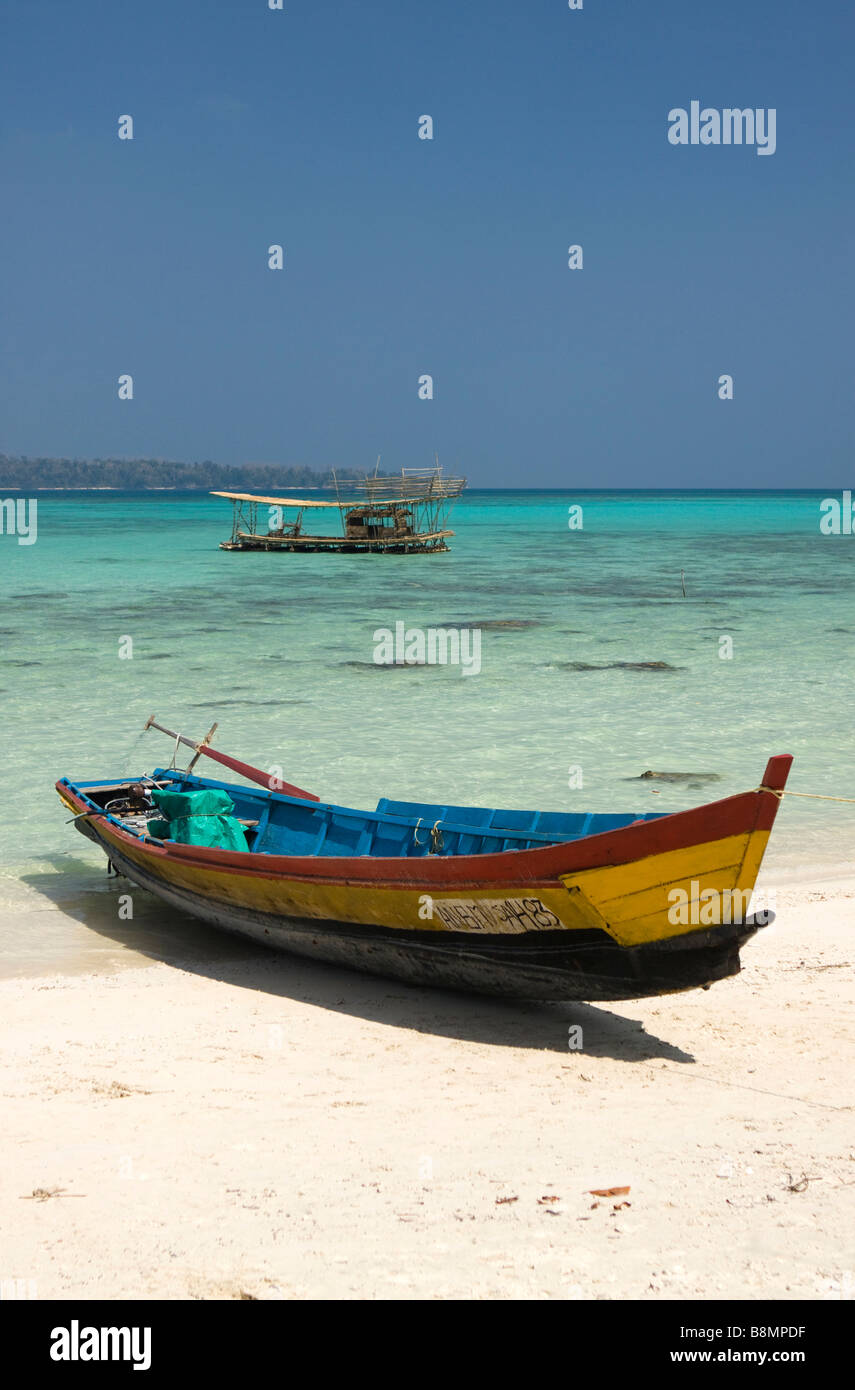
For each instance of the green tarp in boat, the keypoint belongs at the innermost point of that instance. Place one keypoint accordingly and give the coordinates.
(204, 817)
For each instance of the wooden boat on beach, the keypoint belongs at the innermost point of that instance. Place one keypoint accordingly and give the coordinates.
(534, 904)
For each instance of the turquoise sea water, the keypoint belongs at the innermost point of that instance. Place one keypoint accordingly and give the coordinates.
(279, 649)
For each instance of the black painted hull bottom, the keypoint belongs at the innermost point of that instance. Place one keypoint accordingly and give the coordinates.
(578, 965)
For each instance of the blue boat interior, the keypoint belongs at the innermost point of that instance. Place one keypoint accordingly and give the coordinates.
(279, 824)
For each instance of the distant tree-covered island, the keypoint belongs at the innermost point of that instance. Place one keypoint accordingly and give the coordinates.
(21, 473)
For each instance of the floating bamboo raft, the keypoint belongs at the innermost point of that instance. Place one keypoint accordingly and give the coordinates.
(391, 515)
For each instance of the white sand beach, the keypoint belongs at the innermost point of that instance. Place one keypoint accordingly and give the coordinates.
(247, 1125)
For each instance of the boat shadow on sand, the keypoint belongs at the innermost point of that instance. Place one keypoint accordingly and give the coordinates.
(161, 933)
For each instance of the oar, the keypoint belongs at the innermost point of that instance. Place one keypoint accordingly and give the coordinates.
(253, 774)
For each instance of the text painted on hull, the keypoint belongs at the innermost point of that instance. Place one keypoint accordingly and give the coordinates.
(495, 914)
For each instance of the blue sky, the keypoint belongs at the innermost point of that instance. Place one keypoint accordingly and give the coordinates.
(447, 257)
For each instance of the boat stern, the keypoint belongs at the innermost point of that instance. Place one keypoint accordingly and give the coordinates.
(706, 881)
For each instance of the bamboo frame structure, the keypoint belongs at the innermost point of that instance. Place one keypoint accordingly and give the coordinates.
(397, 515)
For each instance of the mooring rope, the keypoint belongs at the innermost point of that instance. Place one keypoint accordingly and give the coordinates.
(809, 796)
(172, 762)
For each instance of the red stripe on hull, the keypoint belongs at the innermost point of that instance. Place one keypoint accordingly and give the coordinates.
(735, 815)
